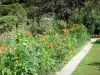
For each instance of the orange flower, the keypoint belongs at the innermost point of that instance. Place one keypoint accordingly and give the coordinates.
(58, 53)
(59, 48)
(4, 47)
(74, 27)
(44, 33)
(64, 41)
(5, 32)
(56, 45)
(47, 41)
(42, 37)
(27, 33)
(65, 30)
(48, 31)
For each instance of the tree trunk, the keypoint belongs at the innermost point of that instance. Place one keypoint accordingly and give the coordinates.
(16, 26)
(66, 18)
(38, 20)
(80, 19)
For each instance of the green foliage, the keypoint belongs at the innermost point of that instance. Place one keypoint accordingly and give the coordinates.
(97, 26)
(87, 15)
(15, 10)
(92, 24)
(9, 1)
(6, 23)
(61, 8)
(38, 55)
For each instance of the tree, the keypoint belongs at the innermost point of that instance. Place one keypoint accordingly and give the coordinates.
(15, 10)
(12, 1)
(61, 8)
(6, 23)
(65, 8)
(91, 15)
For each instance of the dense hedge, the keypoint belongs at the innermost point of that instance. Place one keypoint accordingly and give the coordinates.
(25, 54)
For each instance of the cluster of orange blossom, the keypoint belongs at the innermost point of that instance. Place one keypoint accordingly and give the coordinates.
(74, 27)
(59, 50)
(65, 30)
(2, 47)
(28, 33)
(57, 45)
(64, 41)
(47, 31)
(5, 48)
(42, 37)
(47, 41)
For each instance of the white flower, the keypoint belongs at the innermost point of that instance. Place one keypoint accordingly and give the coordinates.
(24, 43)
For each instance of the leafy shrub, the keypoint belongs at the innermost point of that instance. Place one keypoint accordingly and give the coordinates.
(6, 23)
(93, 25)
(45, 24)
(38, 55)
(97, 26)
(15, 10)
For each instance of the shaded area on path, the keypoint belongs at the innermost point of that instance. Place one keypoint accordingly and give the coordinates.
(97, 64)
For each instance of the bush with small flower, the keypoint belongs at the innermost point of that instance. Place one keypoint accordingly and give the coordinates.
(28, 55)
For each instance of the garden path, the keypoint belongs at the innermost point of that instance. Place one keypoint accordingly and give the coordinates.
(73, 63)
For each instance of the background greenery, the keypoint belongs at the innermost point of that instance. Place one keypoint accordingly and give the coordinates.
(84, 12)
(37, 35)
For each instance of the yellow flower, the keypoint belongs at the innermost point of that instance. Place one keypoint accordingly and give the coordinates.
(11, 51)
(44, 33)
(16, 36)
(16, 57)
(50, 30)
(1, 52)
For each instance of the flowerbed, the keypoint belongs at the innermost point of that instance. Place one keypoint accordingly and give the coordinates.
(95, 36)
(28, 55)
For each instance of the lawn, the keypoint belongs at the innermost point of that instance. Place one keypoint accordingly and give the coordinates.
(90, 65)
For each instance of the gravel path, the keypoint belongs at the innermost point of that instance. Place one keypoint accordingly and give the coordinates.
(73, 63)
